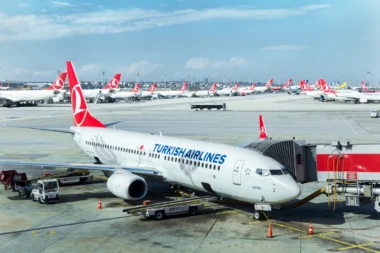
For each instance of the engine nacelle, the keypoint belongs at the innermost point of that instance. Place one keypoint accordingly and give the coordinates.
(126, 185)
(363, 100)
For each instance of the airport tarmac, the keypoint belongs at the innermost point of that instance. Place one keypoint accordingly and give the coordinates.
(75, 224)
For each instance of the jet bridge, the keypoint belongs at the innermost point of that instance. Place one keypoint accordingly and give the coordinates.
(295, 155)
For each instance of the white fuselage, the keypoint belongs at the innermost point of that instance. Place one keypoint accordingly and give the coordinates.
(261, 89)
(227, 92)
(28, 95)
(172, 93)
(227, 170)
(125, 94)
(204, 93)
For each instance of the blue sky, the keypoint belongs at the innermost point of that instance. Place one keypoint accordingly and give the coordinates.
(223, 39)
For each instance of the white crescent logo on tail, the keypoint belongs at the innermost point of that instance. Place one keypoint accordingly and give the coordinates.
(58, 84)
(79, 106)
(114, 83)
(262, 130)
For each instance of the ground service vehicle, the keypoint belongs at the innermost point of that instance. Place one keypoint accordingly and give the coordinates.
(160, 212)
(209, 106)
(47, 191)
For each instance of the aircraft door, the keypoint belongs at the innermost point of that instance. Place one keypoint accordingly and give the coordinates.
(236, 177)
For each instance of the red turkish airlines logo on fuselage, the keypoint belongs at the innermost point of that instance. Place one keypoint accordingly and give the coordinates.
(79, 105)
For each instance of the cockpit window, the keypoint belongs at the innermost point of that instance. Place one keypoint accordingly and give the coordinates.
(285, 171)
(276, 172)
(266, 172)
(259, 171)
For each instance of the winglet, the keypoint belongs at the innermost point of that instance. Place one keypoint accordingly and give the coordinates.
(263, 132)
(81, 114)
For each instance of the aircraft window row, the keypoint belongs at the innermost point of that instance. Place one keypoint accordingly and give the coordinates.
(126, 150)
(191, 162)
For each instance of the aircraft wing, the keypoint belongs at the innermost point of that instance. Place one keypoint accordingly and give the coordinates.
(141, 171)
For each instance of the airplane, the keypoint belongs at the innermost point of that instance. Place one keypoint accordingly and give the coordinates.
(32, 97)
(246, 90)
(229, 91)
(134, 93)
(4, 88)
(94, 94)
(341, 86)
(206, 93)
(263, 131)
(174, 93)
(283, 87)
(127, 158)
(150, 93)
(307, 90)
(264, 88)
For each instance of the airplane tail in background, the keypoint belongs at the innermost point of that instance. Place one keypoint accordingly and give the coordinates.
(253, 86)
(81, 114)
(136, 88)
(288, 83)
(59, 82)
(184, 87)
(213, 87)
(236, 87)
(113, 83)
(363, 86)
(269, 83)
(153, 88)
(263, 132)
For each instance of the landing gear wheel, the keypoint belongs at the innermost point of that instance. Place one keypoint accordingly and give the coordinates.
(258, 215)
(159, 215)
(192, 211)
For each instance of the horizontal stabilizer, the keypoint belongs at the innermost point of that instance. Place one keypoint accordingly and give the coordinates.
(113, 123)
(66, 131)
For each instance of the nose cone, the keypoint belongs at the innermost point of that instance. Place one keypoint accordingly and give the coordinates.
(288, 188)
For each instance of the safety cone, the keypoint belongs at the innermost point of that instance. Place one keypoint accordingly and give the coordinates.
(270, 235)
(100, 204)
(311, 229)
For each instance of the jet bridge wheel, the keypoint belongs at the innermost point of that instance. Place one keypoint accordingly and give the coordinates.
(258, 215)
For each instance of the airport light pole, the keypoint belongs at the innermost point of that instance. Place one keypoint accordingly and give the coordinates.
(165, 80)
(368, 77)
(103, 76)
(138, 77)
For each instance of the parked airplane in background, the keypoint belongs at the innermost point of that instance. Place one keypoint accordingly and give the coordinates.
(342, 86)
(206, 93)
(263, 132)
(134, 93)
(4, 88)
(94, 94)
(32, 97)
(229, 91)
(264, 88)
(150, 93)
(129, 157)
(174, 93)
(283, 87)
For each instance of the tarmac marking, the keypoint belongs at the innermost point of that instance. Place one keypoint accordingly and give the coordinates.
(357, 246)
(314, 235)
(352, 129)
(39, 233)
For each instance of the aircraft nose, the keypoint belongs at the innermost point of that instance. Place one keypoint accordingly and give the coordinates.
(291, 190)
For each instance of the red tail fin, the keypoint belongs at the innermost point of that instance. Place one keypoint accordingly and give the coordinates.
(213, 87)
(288, 83)
(253, 86)
(59, 82)
(363, 86)
(137, 87)
(236, 87)
(153, 88)
(269, 83)
(113, 83)
(184, 87)
(81, 114)
(263, 132)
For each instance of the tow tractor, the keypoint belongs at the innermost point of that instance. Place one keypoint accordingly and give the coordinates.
(47, 191)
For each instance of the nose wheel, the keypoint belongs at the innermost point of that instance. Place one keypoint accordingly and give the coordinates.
(258, 215)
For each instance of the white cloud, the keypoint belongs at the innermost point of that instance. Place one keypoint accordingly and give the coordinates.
(61, 4)
(23, 5)
(142, 67)
(50, 26)
(91, 69)
(207, 63)
(284, 48)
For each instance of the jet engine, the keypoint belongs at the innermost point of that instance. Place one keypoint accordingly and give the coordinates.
(126, 185)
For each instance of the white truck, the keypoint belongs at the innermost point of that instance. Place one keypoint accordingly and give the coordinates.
(47, 191)
(161, 212)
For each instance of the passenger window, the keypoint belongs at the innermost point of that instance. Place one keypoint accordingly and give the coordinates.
(172, 159)
(191, 162)
(199, 164)
(202, 165)
(218, 167)
(159, 156)
(214, 166)
(259, 171)
(175, 159)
